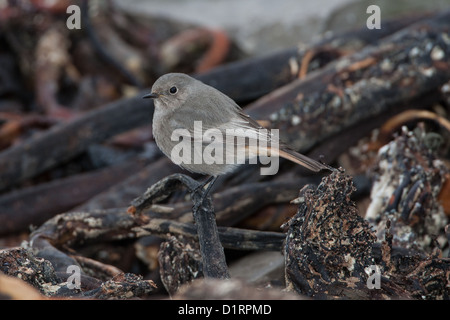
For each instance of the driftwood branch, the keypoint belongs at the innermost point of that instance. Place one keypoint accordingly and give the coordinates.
(253, 78)
(37, 204)
(231, 238)
(355, 88)
(39, 153)
(210, 246)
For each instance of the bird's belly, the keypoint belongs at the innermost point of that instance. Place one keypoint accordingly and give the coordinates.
(200, 158)
(196, 155)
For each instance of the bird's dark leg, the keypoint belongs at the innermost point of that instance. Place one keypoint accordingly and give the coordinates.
(203, 184)
(213, 257)
(211, 180)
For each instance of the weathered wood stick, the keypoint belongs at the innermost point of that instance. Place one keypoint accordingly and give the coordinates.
(213, 257)
(231, 238)
(74, 228)
(252, 78)
(65, 141)
(36, 204)
(119, 195)
(400, 69)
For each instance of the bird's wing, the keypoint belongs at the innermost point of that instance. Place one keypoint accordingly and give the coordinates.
(283, 150)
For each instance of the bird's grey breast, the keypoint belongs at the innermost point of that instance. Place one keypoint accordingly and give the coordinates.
(163, 126)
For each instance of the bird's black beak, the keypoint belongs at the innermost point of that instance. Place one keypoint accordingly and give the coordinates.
(152, 95)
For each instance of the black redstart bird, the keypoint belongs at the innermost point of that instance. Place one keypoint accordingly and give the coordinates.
(214, 132)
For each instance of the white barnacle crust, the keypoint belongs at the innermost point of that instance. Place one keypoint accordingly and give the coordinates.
(437, 53)
(295, 120)
(350, 262)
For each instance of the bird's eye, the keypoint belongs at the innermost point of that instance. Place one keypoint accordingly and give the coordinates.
(173, 90)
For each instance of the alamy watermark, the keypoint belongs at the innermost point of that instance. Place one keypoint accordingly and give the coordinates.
(374, 277)
(374, 20)
(74, 280)
(234, 146)
(74, 20)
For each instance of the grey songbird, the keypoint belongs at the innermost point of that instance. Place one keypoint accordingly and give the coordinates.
(187, 109)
